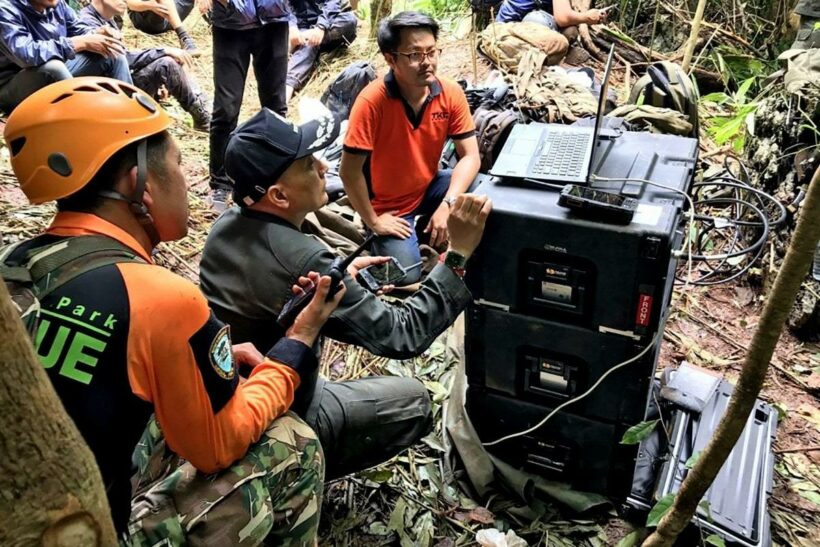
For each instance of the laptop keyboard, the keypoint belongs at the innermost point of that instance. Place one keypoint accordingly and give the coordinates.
(563, 154)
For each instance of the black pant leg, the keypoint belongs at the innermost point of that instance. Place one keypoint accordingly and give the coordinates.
(342, 31)
(151, 23)
(362, 423)
(270, 65)
(29, 80)
(232, 52)
(166, 71)
(301, 66)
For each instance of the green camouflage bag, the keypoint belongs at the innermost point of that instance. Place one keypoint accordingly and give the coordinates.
(666, 85)
(547, 95)
(506, 43)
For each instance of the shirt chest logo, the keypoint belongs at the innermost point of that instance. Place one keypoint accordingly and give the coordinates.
(440, 116)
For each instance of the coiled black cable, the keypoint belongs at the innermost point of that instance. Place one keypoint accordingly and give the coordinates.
(747, 202)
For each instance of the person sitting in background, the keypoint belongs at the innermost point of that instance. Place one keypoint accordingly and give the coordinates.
(155, 70)
(160, 16)
(316, 26)
(392, 149)
(555, 14)
(43, 41)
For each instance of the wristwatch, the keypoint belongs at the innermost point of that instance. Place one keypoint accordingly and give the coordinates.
(455, 261)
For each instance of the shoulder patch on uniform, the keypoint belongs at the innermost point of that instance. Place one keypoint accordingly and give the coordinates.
(220, 354)
(213, 352)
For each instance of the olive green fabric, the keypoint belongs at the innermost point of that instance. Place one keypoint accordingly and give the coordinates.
(677, 92)
(654, 119)
(549, 95)
(802, 76)
(506, 43)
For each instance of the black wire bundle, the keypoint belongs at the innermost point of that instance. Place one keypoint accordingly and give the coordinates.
(749, 209)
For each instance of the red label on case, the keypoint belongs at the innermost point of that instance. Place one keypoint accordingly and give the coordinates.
(644, 311)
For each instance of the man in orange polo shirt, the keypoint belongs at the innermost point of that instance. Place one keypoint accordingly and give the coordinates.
(397, 130)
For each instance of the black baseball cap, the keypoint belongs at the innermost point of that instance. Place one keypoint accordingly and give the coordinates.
(262, 148)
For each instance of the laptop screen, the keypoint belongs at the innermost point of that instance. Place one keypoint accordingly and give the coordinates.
(601, 106)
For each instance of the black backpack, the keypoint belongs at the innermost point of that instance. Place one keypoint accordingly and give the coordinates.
(341, 94)
(492, 127)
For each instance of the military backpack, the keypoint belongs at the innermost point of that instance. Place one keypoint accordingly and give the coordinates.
(666, 85)
(47, 265)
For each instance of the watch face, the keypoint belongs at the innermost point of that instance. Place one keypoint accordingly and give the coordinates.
(454, 260)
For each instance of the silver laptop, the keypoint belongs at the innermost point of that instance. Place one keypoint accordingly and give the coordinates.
(552, 151)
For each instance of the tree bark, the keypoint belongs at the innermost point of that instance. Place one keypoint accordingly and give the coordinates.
(51, 491)
(778, 305)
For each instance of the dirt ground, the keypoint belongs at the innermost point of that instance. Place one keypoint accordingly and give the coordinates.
(708, 327)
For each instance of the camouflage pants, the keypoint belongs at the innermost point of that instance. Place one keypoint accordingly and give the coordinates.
(270, 497)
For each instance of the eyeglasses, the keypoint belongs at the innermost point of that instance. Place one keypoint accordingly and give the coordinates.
(416, 57)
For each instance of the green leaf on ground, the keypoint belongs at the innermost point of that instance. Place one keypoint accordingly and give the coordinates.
(782, 411)
(379, 475)
(639, 432)
(704, 504)
(378, 528)
(693, 459)
(396, 521)
(630, 540)
(715, 540)
(660, 509)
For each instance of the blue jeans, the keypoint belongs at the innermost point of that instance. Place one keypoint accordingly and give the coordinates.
(91, 64)
(406, 251)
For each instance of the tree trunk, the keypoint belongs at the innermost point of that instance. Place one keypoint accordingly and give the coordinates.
(778, 305)
(51, 491)
(379, 9)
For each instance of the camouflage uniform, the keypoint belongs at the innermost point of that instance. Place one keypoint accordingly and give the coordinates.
(272, 496)
(807, 36)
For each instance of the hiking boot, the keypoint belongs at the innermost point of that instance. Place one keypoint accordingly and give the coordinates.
(200, 113)
(187, 42)
(220, 198)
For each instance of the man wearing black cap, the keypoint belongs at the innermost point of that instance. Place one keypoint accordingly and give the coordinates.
(255, 250)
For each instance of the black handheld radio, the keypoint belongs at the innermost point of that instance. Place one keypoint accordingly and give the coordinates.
(337, 272)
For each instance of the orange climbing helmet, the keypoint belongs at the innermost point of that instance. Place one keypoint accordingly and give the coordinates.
(61, 135)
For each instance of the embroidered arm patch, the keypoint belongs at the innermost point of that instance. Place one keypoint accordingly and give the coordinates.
(214, 356)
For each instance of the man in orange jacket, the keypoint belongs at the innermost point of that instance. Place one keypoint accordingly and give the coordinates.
(130, 338)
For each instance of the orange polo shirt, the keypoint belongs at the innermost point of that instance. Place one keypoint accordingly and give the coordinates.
(404, 149)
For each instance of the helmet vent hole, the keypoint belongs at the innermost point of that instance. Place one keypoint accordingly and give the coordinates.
(146, 103)
(109, 87)
(61, 97)
(87, 88)
(59, 164)
(128, 90)
(17, 145)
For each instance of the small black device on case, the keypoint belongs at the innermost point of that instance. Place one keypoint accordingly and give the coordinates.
(598, 204)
